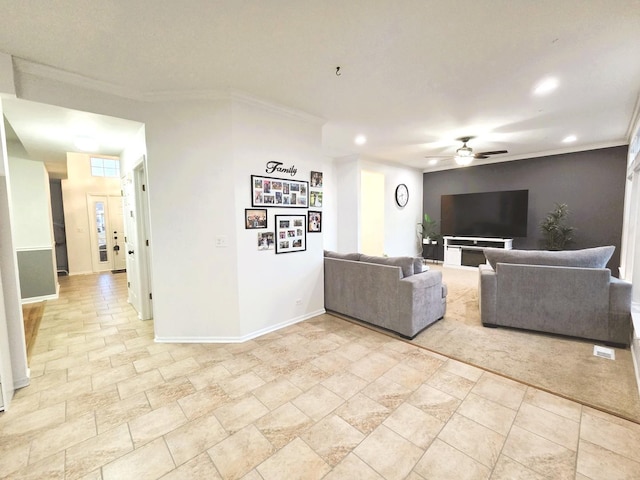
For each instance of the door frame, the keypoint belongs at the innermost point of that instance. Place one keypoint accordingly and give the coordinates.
(143, 238)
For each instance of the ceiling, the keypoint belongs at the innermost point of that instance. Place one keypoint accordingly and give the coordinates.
(414, 74)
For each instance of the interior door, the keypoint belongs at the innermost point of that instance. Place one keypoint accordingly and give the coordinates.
(130, 241)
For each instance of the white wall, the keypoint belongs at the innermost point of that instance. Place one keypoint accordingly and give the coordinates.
(30, 204)
(275, 289)
(399, 223)
(12, 340)
(347, 175)
(192, 185)
(75, 187)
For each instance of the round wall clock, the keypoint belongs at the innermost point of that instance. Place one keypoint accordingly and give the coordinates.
(402, 195)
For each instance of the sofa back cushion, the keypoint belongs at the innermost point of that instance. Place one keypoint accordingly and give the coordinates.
(586, 258)
(342, 256)
(405, 263)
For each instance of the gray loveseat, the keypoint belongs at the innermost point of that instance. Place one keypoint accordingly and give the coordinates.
(568, 293)
(390, 292)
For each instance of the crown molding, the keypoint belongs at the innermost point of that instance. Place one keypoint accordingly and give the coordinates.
(51, 73)
(526, 156)
(634, 122)
(273, 107)
(28, 67)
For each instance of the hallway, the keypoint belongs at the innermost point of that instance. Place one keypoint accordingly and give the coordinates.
(321, 399)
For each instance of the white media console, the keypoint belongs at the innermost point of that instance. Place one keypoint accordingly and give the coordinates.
(467, 251)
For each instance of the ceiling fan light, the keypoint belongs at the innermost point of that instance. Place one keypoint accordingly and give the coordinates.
(463, 160)
(464, 152)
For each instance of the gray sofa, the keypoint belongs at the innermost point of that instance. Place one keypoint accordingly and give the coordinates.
(567, 292)
(390, 292)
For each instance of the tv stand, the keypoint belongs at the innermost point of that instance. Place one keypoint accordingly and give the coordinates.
(468, 251)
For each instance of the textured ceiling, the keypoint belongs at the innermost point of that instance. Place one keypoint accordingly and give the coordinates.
(415, 74)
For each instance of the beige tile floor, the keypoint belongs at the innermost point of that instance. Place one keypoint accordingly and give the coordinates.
(321, 399)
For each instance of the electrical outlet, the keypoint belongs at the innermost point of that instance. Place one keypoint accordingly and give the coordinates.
(221, 241)
(298, 302)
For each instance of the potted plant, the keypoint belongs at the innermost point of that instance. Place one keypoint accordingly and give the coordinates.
(556, 233)
(429, 230)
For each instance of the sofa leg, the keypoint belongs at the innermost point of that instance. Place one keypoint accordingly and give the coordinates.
(490, 325)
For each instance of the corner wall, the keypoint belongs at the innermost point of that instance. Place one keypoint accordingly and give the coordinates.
(32, 228)
(399, 223)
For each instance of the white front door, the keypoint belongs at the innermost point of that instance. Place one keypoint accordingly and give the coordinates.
(105, 215)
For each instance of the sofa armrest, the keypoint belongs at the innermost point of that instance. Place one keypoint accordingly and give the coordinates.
(420, 302)
(620, 311)
(487, 294)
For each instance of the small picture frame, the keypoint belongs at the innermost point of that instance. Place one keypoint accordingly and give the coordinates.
(266, 240)
(314, 222)
(255, 218)
(316, 180)
(315, 198)
(291, 235)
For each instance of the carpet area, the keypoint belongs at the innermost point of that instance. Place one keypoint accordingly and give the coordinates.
(563, 366)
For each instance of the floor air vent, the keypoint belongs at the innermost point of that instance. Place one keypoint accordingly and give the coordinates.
(604, 352)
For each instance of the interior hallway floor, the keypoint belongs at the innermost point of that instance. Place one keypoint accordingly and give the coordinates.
(324, 398)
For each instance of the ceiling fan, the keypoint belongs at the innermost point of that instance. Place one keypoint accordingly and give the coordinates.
(464, 155)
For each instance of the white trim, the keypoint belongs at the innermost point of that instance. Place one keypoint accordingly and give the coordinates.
(244, 338)
(634, 122)
(46, 71)
(33, 249)
(42, 298)
(525, 156)
(635, 342)
(22, 382)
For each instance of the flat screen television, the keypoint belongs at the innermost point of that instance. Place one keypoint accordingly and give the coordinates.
(487, 214)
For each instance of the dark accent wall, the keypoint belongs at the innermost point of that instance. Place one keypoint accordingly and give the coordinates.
(591, 183)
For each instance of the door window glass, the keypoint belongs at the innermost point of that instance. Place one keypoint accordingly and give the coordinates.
(102, 231)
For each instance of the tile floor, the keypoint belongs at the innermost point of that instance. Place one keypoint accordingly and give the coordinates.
(321, 399)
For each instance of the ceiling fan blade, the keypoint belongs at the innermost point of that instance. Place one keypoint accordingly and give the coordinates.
(479, 155)
(495, 152)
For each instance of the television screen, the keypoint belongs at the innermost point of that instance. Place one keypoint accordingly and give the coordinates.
(488, 214)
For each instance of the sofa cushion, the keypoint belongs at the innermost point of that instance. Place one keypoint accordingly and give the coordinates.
(586, 258)
(418, 263)
(405, 263)
(342, 256)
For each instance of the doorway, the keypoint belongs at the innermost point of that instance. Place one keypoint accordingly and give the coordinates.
(372, 213)
(106, 233)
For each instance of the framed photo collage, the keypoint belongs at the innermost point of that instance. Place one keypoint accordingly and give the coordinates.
(290, 231)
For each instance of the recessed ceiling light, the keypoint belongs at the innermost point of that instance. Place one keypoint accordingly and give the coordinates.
(433, 161)
(546, 86)
(86, 144)
(360, 140)
(569, 139)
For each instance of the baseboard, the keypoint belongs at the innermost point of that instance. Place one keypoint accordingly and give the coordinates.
(53, 296)
(241, 339)
(21, 382)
